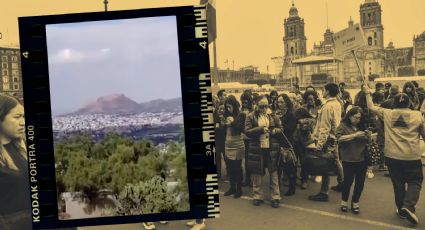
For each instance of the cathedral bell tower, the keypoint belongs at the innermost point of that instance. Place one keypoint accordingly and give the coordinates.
(295, 43)
(294, 39)
(370, 20)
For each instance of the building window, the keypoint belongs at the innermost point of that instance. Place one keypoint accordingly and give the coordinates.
(15, 86)
(15, 79)
(6, 86)
(369, 41)
(370, 63)
(374, 35)
(4, 65)
(14, 58)
(370, 68)
(14, 65)
(5, 72)
(292, 50)
(4, 59)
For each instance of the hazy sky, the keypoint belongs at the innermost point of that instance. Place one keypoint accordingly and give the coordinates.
(249, 31)
(88, 60)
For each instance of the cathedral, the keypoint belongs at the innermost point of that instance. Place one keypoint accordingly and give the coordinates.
(376, 60)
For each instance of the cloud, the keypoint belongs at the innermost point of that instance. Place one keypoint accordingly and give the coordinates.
(69, 55)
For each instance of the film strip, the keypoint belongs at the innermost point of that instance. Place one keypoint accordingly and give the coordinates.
(197, 109)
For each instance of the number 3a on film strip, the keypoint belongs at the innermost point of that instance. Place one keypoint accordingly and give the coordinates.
(201, 28)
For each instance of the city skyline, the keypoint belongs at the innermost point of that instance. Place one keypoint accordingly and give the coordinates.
(136, 70)
(241, 24)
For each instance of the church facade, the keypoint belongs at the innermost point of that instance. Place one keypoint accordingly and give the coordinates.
(375, 59)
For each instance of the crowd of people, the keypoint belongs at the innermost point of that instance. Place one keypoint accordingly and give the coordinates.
(288, 135)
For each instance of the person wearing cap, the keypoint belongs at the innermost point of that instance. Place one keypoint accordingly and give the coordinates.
(403, 128)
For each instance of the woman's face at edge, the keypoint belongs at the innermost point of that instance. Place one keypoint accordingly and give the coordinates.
(13, 125)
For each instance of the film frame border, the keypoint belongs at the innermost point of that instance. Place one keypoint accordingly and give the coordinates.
(197, 109)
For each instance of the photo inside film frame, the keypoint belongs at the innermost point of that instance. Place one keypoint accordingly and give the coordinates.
(117, 117)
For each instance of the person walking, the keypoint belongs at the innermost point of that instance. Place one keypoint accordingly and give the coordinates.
(403, 129)
(352, 142)
(324, 134)
(262, 129)
(234, 145)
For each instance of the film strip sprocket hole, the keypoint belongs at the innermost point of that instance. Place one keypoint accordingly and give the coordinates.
(52, 140)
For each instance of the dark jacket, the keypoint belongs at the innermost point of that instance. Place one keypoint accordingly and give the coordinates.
(289, 124)
(255, 159)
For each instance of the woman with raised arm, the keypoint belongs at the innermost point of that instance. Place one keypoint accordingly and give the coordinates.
(403, 129)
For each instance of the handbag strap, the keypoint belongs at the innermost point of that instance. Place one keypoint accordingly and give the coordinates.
(287, 141)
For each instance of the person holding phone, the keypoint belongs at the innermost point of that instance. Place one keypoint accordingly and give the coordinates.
(262, 128)
(352, 140)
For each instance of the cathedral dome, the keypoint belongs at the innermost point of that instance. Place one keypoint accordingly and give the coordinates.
(293, 11)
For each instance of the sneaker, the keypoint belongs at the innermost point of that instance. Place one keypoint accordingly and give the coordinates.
(318, 179)
(319, 197)
(370, 174)
(148, 225)
(257, 202)
(198, 226)
(193, 223)
(411, 217)
(355, 208)
(337, 188)
(400, 214)
(275, 203)
(344, 207)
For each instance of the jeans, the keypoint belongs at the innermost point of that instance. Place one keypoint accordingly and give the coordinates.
(357, 171)
(406, 173)
(257, 180)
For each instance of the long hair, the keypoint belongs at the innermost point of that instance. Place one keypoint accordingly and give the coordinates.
(7, 103)
(246, 96)
(288, 103)
(231, 100)
(354, 110)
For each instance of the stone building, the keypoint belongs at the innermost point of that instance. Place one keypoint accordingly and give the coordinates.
(374, 59)
(11, 76)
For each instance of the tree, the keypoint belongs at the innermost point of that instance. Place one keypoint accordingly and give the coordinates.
(147, 197)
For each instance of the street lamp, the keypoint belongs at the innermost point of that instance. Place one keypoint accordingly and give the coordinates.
(106, 5)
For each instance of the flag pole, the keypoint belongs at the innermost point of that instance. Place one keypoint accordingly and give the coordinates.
(364, 79)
